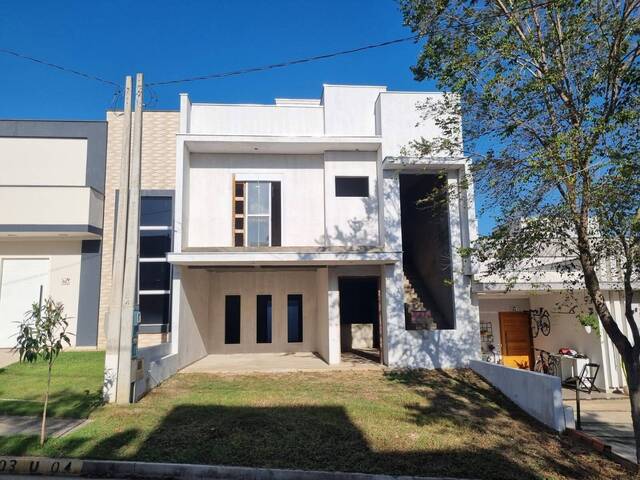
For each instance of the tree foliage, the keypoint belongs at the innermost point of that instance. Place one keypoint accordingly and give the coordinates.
(42, 336)
(549, 94)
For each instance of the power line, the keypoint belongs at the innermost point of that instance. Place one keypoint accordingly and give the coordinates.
(88, 76)
(284, 64)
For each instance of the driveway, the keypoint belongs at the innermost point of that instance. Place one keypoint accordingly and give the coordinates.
(7, 357)
(608, 419)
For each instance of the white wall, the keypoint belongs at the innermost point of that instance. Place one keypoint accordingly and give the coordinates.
(351, 220)
(248, 285)
(289, 120)
(64, 274)
(537, 394)
(210, 197)
(566, 330)
(43, 161)
(350, 109)
(400, 121)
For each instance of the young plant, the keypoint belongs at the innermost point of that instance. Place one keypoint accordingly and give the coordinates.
(42, 336)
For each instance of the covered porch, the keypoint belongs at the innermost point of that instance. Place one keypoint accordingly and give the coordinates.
(519, 326)
(283, 315)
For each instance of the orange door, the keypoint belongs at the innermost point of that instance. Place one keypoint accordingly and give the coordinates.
(515, 335)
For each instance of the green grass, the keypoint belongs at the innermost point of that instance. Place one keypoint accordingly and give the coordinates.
(75, 386)
(435, 423)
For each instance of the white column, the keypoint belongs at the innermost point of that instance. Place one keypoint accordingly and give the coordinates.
(333, 298)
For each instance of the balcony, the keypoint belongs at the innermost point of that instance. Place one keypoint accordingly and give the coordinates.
(51, 211)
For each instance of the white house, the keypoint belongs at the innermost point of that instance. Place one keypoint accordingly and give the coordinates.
(297, 230)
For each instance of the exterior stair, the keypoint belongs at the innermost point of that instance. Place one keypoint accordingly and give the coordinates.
(418, 316)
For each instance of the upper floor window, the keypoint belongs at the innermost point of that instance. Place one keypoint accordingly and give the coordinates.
(352, 186)
(256, 214)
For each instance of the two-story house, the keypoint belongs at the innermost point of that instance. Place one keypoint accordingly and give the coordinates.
(52, 177)
(297, 228)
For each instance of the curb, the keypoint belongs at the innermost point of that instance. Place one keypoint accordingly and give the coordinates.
(599, 446)
(112, 469)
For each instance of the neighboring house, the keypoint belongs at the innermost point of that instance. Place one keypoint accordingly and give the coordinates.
(510, 309)
(51, 195)
(296, 229)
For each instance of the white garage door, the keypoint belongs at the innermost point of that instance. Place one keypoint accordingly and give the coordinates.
(19, 288)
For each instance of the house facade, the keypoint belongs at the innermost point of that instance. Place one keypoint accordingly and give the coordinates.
(52, 176)
(296, 229)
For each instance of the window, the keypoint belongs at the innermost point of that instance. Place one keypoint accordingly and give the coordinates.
(263, 318)
(294, 318)
(232, 319)
(154, 278)
(352, 186)
(256, 214)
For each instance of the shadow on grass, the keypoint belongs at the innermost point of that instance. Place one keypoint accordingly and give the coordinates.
(62, 403)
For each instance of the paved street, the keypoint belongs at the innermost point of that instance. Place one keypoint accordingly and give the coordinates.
(610, 421)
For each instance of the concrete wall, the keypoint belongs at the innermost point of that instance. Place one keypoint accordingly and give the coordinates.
(537, 394)
(158, 173)
(193, 329)
(294, 120)
(59, 205)
(209, 213)
(278, 284)
(65, 265)
(351, 221)
(43, 161)
(350, 109)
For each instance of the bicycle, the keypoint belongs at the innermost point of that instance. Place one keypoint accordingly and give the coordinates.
(546, 363)
(540, 322)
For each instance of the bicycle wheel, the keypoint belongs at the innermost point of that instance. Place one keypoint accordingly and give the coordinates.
(545, 324)
(539, 366)
(535, 327)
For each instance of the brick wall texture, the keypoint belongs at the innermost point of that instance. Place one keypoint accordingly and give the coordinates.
(159, 131)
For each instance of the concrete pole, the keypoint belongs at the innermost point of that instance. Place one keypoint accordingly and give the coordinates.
(130, 287)
(117, 276)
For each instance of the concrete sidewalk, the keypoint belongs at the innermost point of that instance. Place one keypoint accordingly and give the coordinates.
(7, 357)
(610, 421)
(17, 425)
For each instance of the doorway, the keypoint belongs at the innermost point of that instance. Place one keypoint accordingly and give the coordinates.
(360, 317)
(515, 336)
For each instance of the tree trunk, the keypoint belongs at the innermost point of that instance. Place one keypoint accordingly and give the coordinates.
(633, 383)
(43, 429)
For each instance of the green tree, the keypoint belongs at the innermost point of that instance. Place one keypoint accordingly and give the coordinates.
(548, 92)
(42, 336)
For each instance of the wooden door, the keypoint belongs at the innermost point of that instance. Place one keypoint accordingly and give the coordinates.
(515, 335)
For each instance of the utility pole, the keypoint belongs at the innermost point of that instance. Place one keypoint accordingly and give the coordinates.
(117, 278)
(130, 285)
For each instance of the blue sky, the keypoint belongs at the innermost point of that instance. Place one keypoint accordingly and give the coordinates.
(182, 39)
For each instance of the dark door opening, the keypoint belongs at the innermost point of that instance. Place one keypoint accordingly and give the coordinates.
(360, 316)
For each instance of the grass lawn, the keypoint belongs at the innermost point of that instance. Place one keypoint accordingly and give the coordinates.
(75, 386)
(446, 423)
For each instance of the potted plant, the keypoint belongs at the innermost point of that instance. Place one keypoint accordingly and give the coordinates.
(590, 323)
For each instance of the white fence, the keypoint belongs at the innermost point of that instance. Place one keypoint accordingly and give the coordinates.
(537, 394)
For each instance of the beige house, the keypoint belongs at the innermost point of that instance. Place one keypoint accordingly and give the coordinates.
(52, 176)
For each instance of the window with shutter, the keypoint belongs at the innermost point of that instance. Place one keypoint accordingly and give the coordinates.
(257, 214)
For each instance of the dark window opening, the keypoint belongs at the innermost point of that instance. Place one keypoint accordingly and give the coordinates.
(263, 315)
(352, 186)
(294, 318)
(232, 319)
(154, 243)
(155, 276)
(155, 211)
(154, 309)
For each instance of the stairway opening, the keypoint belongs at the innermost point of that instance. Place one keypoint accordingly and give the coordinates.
(426, 257)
